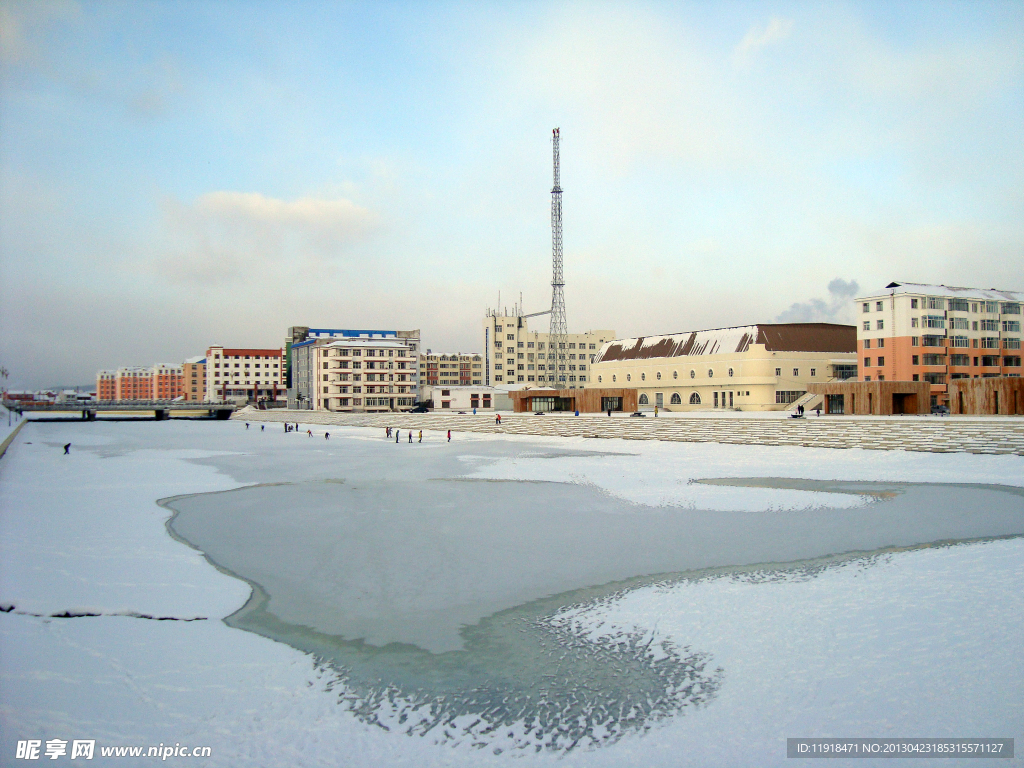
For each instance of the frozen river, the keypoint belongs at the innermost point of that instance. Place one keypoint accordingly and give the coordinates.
(505, 595)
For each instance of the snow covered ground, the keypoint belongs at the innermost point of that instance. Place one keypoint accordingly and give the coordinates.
(921, 642)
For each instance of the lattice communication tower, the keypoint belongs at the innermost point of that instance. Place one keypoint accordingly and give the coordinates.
(559, 330)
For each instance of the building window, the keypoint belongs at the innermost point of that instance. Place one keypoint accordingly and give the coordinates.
(867, 343)
(916, 377)
(796, 372)
(881, 362)
(913, 322)
(879, 325)
(613, 378)
(658, 375)
(878, 306)
(913, 303)
(914, 360)
(813, 373)
(711, 373)
(643, 400)
(676, 399)
(693, 374)
(629, 377)
(867, 325)
(866, 306)
(881, 342)
(730, 372)
(694, 399)
(778, 371)
(867, 362)
(643, 377)
(675, 374)
(598, 379)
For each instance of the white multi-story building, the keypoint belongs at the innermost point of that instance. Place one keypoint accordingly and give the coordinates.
(354, 374)
(244, 375)
(516, 357)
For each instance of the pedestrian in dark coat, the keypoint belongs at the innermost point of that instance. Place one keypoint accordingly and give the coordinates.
(67, 449)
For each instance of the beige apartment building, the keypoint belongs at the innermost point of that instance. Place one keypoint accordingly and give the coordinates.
(454, 370)
(516, 357)
(748, 368)
(354, 374)
(937, 334)
(244, 375)
(194, 379)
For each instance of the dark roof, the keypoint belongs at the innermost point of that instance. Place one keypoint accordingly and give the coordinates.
(776, 337)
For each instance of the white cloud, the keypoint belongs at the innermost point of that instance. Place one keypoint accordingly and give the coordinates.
(760, 37)
(245, 236)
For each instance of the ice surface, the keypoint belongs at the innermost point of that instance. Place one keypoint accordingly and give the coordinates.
(909, 643)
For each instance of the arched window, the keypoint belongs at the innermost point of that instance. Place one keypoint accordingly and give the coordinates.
(675, 374)
(659, 375)
(711, 374)
(643, 377)
(693, 374)
(643, 400)
(694, 399)
(730, 371)
(676, 399)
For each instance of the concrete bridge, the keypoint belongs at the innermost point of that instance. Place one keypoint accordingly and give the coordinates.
(161, 409)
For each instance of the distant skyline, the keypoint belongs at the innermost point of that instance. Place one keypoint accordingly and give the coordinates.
(175, 175)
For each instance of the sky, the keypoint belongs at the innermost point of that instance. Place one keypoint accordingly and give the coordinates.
(180, 174)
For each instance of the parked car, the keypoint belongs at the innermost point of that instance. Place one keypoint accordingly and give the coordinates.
(940, 410)
(641, 415)
(420, 409)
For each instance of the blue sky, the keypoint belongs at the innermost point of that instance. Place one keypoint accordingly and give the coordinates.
(174, 175)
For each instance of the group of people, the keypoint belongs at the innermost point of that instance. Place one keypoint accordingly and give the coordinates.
(388, 431)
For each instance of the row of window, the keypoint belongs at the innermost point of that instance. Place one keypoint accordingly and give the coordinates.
(540, 344)
(711, 374)
(954, 305)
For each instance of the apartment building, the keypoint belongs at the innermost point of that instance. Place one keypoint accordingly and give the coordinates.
(194, 379)
(516, 357)
(159, 382)
(244, 375)
(300, 333)
(748, 368)
(354, 374)
(453, 370)
(106, 385)
(938, 333)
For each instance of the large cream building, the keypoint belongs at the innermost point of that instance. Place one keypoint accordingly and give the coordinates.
(748, 368)
(354, 374)
(516, 357)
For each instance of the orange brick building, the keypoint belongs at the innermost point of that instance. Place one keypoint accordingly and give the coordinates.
(937, 334)
(161, 382)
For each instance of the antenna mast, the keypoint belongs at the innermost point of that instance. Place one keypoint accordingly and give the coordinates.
(558, 330)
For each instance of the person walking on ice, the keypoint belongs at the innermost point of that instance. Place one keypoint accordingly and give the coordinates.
(410, 435)
(262, 427)
(247, 425)
(449, 435)
(67, 449)
(421, 435)
(398, 432)
(327, 435)
(309, 432)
